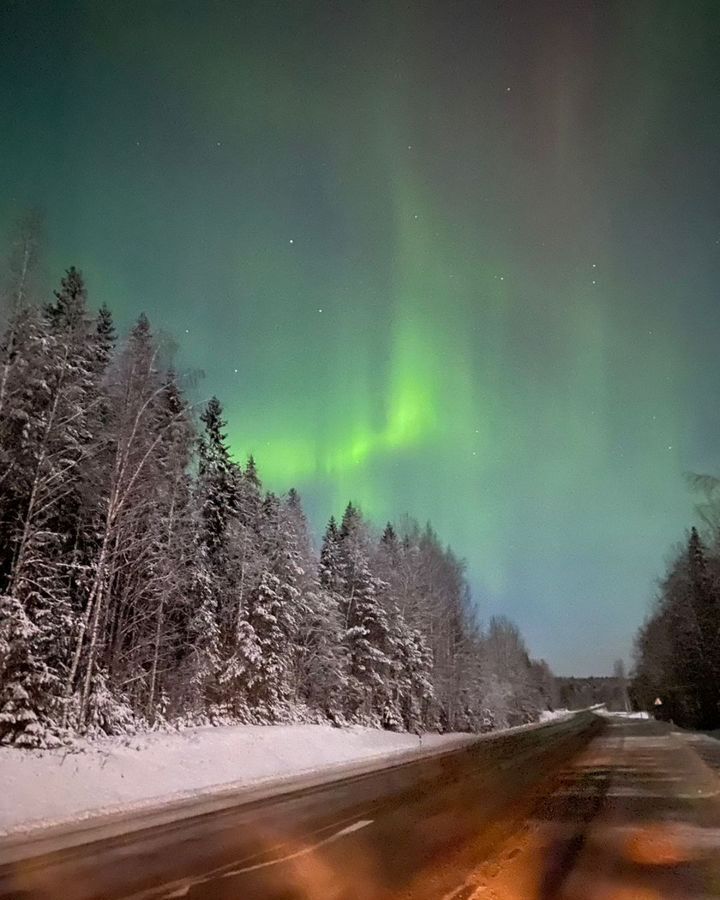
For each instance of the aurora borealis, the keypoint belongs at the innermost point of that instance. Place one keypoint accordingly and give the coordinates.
(455, 259)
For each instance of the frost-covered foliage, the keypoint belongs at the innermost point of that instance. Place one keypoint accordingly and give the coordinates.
(146, 577)
(24, 679)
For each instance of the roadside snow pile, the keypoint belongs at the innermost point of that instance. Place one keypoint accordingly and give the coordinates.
(549, 715)
(627, 715)
(47, 787)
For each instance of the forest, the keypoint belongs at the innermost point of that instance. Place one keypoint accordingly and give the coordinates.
(147, 579)
(677, 650)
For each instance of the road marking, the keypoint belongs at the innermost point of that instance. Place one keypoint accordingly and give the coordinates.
(349, 829)
(184, 889)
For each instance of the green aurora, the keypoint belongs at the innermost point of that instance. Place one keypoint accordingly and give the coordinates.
(452, 259)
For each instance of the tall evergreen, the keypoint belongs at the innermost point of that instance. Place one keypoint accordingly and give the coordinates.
(330, 558)
(24, 679)
(218, 478)
(677, 651)
(145, 576)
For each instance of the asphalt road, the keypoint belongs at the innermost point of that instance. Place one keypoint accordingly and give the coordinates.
(588, 809)
(636, 816)
(417, 829)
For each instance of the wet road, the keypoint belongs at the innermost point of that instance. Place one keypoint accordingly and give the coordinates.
(415, 829)
(583, 810)
(635, 817)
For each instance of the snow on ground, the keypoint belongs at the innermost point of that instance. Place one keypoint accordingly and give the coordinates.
(549, 715)
(117, 774)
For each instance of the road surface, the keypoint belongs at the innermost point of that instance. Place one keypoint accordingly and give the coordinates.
(564, 812)
(634, 817)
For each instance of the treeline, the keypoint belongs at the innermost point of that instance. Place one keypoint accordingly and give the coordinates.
(677, 650)
(581, 693)
(146, 577)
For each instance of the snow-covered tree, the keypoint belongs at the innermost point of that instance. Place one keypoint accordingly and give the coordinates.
(25, 683)
(145, 575)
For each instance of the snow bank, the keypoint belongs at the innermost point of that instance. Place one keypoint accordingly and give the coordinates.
(41, 788)
(627, 715)
(550, 715)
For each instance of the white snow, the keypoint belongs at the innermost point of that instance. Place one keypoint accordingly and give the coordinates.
(40, 788)
(625, 715)
(549, 715)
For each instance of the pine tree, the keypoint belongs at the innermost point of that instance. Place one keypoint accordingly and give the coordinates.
(68, 312)
(412, 664)
(261, 665)
(330, 558)
(704, 659)
(105, 338)
(367, 638)
(218, 479)
(216, 607)
(367, 631)
(279, 546)
(24, 680)
(297, 524)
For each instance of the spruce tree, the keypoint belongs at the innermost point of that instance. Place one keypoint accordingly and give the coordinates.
(218, 479)
(24, 680)
(330, 558)
(367, 630)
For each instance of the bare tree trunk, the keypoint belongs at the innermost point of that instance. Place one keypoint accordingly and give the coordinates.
(92, 646)
(161, 614)
(91, 609)
(156, 656)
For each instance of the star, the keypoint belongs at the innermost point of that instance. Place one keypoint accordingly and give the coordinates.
(292, 241)
(319, 309)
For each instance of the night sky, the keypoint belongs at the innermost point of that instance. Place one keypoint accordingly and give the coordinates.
(456, 259)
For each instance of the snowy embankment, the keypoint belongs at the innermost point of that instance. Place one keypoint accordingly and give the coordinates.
(551, 715)
(41, 788)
